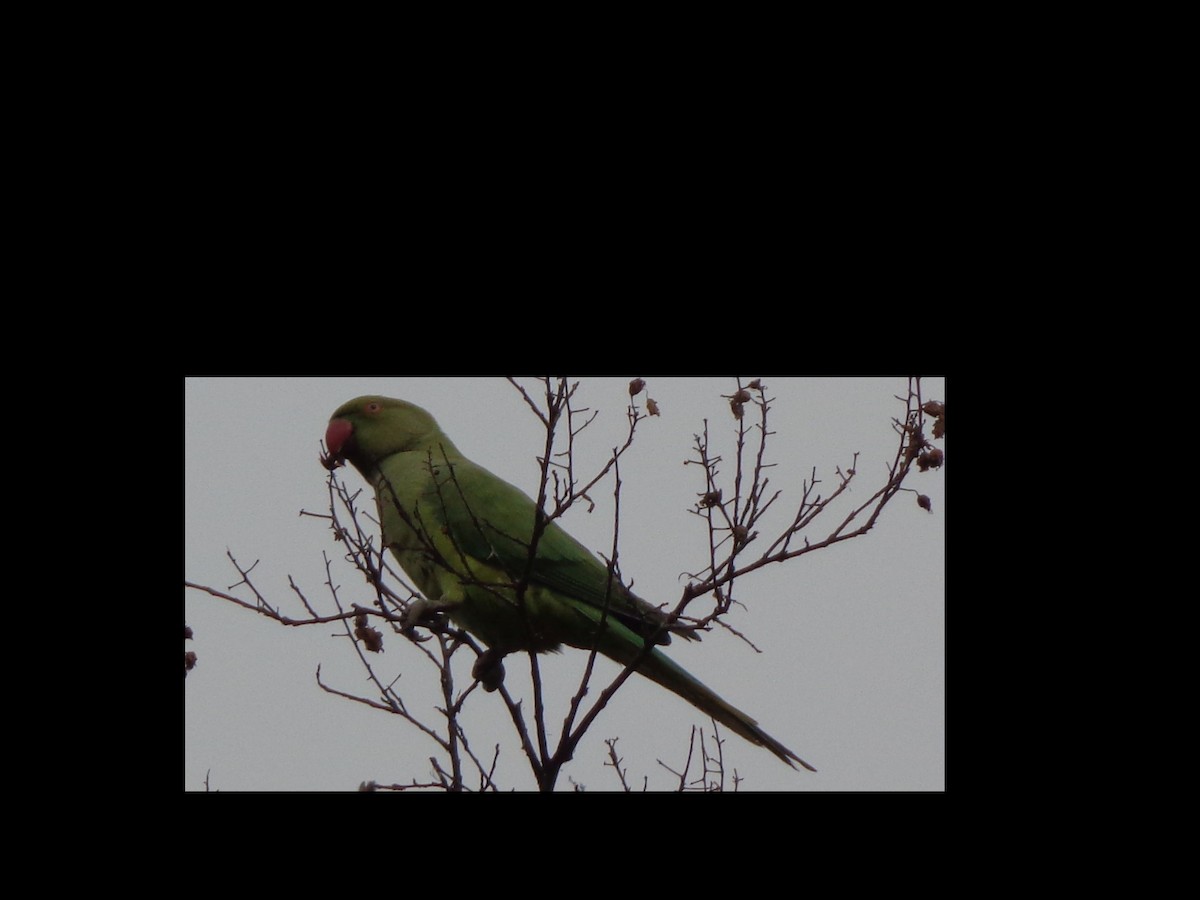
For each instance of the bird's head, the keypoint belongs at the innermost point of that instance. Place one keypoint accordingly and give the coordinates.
(367, 430)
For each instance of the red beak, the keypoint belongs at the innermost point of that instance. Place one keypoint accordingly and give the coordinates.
(336, 435)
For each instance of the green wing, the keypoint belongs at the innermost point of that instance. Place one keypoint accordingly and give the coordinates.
(492, 520)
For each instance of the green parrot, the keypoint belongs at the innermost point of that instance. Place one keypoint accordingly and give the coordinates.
(462, 535)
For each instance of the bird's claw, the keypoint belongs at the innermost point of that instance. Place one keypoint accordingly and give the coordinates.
(420, 612)
(489, 670)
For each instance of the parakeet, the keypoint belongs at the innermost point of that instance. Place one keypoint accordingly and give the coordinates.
(463, 535)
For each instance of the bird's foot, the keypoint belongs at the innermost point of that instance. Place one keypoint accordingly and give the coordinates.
(489, 669)
(420, 612)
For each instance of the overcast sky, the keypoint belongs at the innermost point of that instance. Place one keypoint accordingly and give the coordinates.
(852, 670)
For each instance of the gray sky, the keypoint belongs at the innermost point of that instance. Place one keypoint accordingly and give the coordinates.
(852, 670)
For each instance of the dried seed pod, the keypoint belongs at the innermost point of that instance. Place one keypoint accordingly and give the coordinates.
(651, 406)
(370, 637)
(712, 498)
(930, 459)
(635, 386)
(939, 427)
(934, 408)
(924, 502)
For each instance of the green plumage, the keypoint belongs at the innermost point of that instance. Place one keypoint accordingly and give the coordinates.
(463, 535)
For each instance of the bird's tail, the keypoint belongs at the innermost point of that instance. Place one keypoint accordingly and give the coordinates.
(618, 643)
(660, 668)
